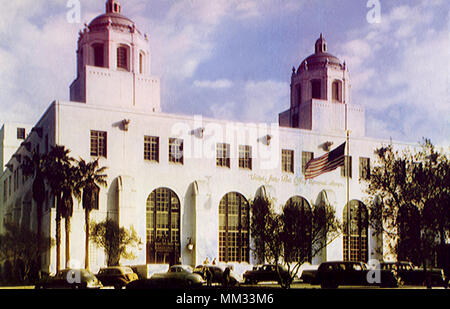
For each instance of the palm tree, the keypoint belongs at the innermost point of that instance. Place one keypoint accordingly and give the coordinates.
(69, 189)
(91, 178)
(36, 166)
(59, 174)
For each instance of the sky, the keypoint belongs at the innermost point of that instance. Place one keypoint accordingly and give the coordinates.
(232, 59)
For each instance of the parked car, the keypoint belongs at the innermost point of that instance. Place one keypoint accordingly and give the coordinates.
(266, 272)
(334, 274)
(412, 275)
(217, 274)
(309, 276)
(70, 279)
(178, 276)
(116, 276)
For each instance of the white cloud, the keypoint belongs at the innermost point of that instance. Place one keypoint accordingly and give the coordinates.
(400, 72)
(216, 84)
(264, 99)
(252, 101)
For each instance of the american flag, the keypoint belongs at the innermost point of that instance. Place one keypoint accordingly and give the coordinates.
(326, 163)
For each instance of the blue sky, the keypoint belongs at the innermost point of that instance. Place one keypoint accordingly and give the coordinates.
(232, 59)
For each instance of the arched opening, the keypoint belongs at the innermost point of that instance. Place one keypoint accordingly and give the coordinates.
(297, 218)
(324, 204)
(356, 225)
(99, 54)
(234, 218)
(141, 62)
(163, 227)
(316, 89)
(122, 58)
(337, 91)
(299, 94)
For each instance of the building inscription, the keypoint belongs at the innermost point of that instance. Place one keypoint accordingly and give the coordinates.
(295, 180)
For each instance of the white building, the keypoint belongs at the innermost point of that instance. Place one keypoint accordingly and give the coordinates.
(183, 179)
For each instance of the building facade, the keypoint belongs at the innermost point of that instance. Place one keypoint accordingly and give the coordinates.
(184, 182)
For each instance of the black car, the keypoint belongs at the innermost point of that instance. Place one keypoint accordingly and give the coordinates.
(70, 279)
(217, 274)
(267, 272)
(116, 276)
(334, 274)
(411, 275)
(178, 276)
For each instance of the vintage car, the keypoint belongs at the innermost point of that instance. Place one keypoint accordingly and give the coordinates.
(411, 275)
(309, 276)
(217, 274)
(266, 272)
(334, 274)
(116, 276)
(70, 279)
(178, 276)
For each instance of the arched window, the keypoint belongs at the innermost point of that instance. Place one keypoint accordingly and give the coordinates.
(316, 89)
(355, 232)
(337, 91)
(163, 227)
(297, 218)
(99, 55)
(299, 94)
(141, 62)
(122, 58)
(233, 228)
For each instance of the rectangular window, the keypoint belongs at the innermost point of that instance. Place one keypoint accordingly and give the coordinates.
(151, 148)
(245, 157)
(223, 155)
(98, 144)
(347, 166)
(364, 168)
(176, 150)
(287, 161)
(20, 133)
(306, 157)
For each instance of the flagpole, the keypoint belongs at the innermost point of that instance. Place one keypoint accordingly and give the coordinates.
(348, 196)
(347, 170)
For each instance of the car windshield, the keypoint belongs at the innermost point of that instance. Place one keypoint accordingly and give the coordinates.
(181, 268)
(127, 270)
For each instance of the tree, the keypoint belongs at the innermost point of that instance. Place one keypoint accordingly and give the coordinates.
(292, 237)
(21, 246)
(36, 166)
(409, 200)
(266, 229)
(91, 178)
(61, 176)
(114, 240)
